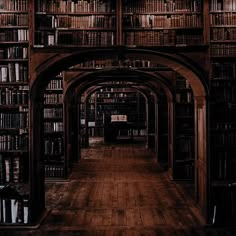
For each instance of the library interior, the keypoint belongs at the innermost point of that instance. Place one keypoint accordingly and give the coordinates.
(117, 117)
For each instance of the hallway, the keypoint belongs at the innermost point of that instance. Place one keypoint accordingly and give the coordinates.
(118, 190)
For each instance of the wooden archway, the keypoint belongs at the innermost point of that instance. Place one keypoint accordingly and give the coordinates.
(43, 69)
(146, 80)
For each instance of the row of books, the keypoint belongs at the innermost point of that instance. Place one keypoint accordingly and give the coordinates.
(163, 21)
(9, 142)
(227, 18)
(162, 38)
(86, 38)
(118, 92)
(94, 64)
(55, 84)
(11, 169)
(223, 49)
(110, 62)
(13, 96)
(14, 72)
(53, 112)
(223, 5)
(223, 34)
(75, 22)
(53, 146)
(16, 5)
(227, 138)
(139, 132)
(71, 6)
(225, 126)
(53, 98)
(114, 108)
(108, 83)
(115, 93)
(162, 6)
(11, 19)
(13, 120)
(100, 21)
(227, 94)
(13, 210)
(54, 171)
(225, 165)
(14, 52)
(224, 70)
(117, 100)
(79, 38)
(14, 35)
(55, 126)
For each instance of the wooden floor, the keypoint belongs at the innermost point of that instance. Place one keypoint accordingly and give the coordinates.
(119, 190)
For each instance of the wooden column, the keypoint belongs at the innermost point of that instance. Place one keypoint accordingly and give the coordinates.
(67, 141)
(86, 132)
(206, 21)
(201, 162)
(171, 133)
(156, 129)
(151, 123)
(147, 123)
(77, 142)
(36, 171)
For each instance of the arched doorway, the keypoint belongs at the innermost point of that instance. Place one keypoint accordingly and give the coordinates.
(186, 68)
(94, 110)
(81, 84)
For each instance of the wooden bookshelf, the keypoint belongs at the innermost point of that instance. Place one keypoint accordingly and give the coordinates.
(14, 89)
(54, 158)
(184, 130)
(80, 23)
(164, 23)
(114, 99)
(223, 110)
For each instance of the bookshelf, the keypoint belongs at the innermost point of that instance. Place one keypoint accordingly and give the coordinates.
(184, 130)
(93, 23)
(223, 30)
(222, 111)
(14, 89)
(54, 160)
(75, 23)
(108, 103)
(164, 23)
(115, 102)
(90, 125)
